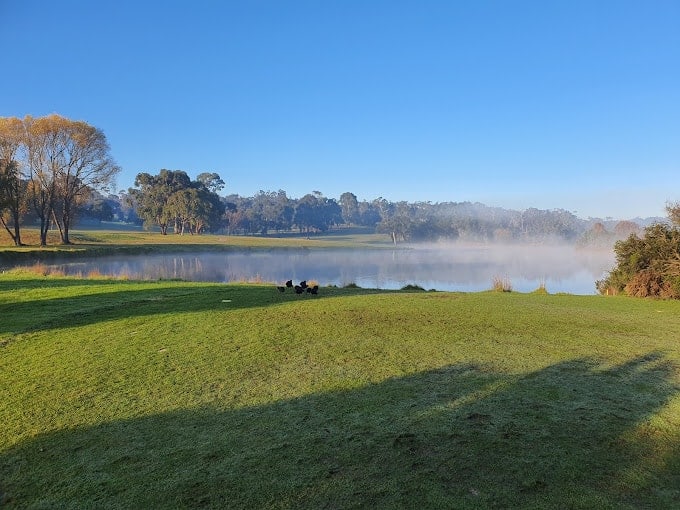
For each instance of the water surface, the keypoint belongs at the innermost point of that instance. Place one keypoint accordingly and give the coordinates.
(453, 267)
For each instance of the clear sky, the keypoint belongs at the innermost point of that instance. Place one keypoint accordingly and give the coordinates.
(550, 104)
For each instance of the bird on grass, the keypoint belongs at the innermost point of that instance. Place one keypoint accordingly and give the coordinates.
(281, 289)
(298, 289)
(303, 284)
(314, 290)
(289, 283)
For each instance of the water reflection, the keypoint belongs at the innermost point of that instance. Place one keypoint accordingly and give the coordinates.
(453, 267)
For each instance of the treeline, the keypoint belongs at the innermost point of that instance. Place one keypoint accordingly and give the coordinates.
(171, 200)
(49, 166)
(54, 170)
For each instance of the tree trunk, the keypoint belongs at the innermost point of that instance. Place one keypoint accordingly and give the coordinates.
(64, 240)
(64, 235)
(14, 235)
(66, 226)
(44, 227)
(17, 230)
(15, 213)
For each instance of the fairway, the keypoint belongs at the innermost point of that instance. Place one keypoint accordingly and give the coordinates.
(166, 394)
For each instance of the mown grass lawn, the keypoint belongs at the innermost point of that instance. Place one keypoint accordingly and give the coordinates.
(123, 394)
(95, 243)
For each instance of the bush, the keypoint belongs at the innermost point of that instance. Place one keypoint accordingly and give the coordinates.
(645, 283)
(502, 284)
(412, 286)
(646, 266)
(351, 285)
(541, 289)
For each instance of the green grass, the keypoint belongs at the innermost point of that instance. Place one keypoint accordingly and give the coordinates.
(95, 243)
(175, 394)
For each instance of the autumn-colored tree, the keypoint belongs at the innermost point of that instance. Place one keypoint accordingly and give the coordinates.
(66, 159)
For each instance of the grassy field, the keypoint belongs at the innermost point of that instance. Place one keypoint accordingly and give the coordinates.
(93, 243)
(99, 243)
(165, 394)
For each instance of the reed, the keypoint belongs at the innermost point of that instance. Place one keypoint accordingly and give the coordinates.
(501, 284)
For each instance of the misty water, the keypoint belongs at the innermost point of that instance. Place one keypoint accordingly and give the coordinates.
(453, 267)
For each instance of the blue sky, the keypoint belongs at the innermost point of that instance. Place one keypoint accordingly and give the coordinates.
(560, 104)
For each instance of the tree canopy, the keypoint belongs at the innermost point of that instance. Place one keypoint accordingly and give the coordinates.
(172, 198)
(646, 266)
(60, 161)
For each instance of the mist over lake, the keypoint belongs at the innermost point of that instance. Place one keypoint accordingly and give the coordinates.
(445, 267)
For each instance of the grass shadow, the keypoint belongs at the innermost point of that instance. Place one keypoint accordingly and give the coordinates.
(128, 299)
(463, 436)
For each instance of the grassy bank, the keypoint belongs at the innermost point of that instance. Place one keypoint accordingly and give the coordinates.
(96, 243)
(176, 394)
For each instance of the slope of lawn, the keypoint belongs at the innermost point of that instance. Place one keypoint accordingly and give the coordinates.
(123, 394)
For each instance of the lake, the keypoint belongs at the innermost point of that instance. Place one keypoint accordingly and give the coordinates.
(451, 267)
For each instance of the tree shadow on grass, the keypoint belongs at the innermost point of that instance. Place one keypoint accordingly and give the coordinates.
(462, 436)
(138, 299)
(9, 284)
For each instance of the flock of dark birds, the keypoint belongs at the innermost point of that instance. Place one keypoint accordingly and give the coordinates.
(300, 289)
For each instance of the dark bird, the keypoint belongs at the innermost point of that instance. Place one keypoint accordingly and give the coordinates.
(314, 290)
(309, 290)
(289, 283)
(281, 289)
(303, 284)
(298, 289)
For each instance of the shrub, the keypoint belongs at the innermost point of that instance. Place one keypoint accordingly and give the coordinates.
(412, 286)
(541, 288)
(645, 283)
(646, 266)
(351, 285)
(38, 268)
(502, 284)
